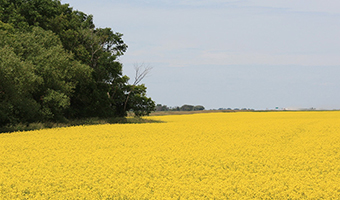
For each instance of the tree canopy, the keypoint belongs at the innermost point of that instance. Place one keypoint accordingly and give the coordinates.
(55, 64)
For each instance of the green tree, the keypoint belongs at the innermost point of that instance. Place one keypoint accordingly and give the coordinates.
(106, 93)
(199, 107)
(187, 107)
(139, 103)
(38, 74)
(18, 81)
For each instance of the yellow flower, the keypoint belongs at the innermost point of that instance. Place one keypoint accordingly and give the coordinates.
(250, 155)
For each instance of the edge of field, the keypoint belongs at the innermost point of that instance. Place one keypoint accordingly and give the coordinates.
(131, 119)
(75, 122)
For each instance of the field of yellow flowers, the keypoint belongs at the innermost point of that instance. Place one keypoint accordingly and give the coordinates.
(250, 155)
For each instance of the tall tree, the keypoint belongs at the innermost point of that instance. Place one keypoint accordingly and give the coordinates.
(37, 75)
(104, 93)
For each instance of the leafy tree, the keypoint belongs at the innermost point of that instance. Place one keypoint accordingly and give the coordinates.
(140, 89)
(17, 83)
(37, 75)
(199, 107)
(76, 65)
(139, 103)
(187, 107)
(176, 108)
(104, 95)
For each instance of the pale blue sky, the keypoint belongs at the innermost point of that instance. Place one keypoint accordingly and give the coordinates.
(230, 53)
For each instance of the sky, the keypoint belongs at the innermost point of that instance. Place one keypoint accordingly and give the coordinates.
(258, 54)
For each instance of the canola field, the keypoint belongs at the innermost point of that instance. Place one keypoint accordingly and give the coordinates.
(250, 155)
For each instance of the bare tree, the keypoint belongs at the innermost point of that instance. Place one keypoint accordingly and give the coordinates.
(141, 71)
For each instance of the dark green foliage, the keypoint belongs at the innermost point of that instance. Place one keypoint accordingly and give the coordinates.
(187, 108)
(56, 64)
(160, 107)
(140, 104)
(38, 76)
(199, 107)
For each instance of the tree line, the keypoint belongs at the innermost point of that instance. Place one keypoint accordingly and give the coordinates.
(185, 107)
(56, 65)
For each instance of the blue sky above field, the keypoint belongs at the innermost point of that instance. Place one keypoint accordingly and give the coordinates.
(237, 53)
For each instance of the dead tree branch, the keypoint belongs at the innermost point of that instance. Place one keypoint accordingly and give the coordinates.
(141, 71)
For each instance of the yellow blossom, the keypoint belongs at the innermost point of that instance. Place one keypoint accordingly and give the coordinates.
(245, 155)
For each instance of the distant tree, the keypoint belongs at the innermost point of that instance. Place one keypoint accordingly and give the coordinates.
(199, 107)
(160, 107)
(187, 108)
(176, 108)
(165, 108)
